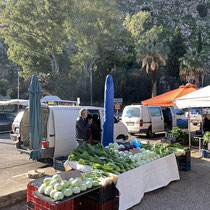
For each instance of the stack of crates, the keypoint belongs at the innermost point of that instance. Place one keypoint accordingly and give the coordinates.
(103, 198)
(184, 161)
(41, 204)
(31, 187)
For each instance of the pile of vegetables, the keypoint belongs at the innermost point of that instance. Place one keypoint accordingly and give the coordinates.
(120, 147)
(104, 178)
(110, 159)
(57, 188)
(102, 158)
(164, 150)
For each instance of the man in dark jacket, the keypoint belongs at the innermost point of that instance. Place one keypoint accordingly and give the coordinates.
(82, 126)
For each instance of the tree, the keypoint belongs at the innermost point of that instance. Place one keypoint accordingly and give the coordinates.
(3, 87)
(150, 49)
(36, 33)
(199, 40)
(95, 35)
(192, 66)
(177, 50)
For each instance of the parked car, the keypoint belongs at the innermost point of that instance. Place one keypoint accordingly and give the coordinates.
(15, 128)
(6, 120)
(150, 119)
(59, 129)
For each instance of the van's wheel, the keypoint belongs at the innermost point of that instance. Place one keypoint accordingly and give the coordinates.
(150, 134)
(121, 137)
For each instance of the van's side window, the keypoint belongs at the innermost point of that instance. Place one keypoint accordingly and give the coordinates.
(155, 111)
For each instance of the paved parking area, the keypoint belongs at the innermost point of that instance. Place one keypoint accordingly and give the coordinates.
(11, 161)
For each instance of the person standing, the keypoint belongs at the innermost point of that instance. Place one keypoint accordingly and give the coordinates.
(82, 126)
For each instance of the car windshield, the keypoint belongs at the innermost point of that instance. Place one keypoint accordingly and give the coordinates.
(10, 117)
(195, 111)
(176, 111)
(131, 112)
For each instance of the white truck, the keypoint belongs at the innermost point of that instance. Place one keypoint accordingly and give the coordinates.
(150, 119)
(59, 129)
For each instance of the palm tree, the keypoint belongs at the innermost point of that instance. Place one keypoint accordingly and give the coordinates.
(192, 66)
(151, 53)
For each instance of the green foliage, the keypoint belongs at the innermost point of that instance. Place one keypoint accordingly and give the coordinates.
(192, 65)
(36, 33)
(177, 50)
(206, 137)
(199, 40)
(181, 135)
(150, 48)
(3, 87)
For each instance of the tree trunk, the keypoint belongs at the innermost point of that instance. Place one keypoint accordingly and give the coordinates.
(154, 83)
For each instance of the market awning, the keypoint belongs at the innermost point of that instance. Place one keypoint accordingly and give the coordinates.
(167, 99)
(199, 98)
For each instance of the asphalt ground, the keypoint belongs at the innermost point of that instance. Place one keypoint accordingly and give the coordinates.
(13, 163)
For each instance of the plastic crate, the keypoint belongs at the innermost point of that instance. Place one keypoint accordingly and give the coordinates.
(40, 204)
(185, 166)
(85, 203)
(30, 205)
(58, 163)
(30, 190)
(170, 135)
(206, 153)
(33, 186)
(103, 194)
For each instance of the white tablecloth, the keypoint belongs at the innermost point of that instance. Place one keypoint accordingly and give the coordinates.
(134, 183)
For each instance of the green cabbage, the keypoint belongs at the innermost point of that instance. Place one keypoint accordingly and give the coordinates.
(76, 183)
(89, 184)
(70, 181)
(58, 196)
(41, 189)
(52, 193)
(83, 187)
(95, 183)
(58, 186)
(47, 181)
(68, 192)
(65, 183)
(76, 190)
(57, 177)
(79, 180)
(48, 190)
(52, 183)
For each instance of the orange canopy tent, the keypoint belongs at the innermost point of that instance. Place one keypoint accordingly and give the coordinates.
(166, 99)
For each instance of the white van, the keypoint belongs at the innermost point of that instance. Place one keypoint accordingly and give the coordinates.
(150, 119)
(59, 130)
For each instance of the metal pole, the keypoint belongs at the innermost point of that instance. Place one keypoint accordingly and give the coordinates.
(189, 127)
(35, 168)
(91, 87)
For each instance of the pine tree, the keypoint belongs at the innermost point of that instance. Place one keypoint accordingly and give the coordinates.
(177, 50)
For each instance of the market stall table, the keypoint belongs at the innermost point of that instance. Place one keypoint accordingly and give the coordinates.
(134, 183)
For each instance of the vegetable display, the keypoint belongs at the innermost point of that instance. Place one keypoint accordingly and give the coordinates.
(164, 150)
(102, 158)
(110, 159)
(57, 188)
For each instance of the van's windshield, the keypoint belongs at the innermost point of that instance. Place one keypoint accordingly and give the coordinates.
(131, 112)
